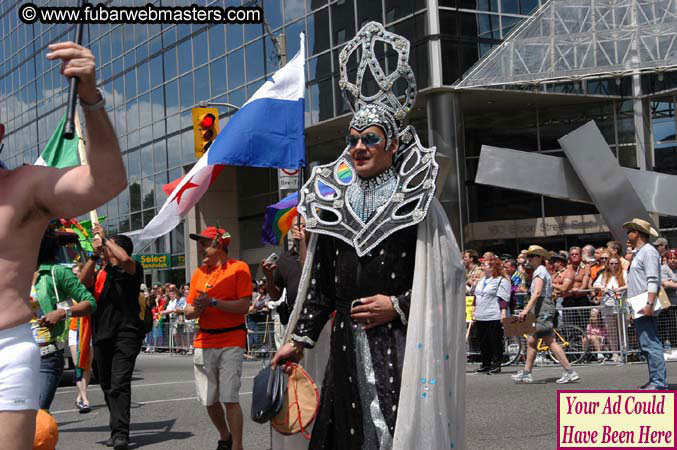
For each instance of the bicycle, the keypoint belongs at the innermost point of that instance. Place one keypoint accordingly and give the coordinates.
(571, 338)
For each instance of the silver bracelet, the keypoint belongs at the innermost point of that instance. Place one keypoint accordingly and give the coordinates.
(94, 106)
(398, 310)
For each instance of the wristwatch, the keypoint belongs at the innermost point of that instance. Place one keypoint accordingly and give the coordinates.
(94, 106)
(69, 313)
(212, 302)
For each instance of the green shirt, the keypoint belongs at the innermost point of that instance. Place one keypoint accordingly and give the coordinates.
(67, 285)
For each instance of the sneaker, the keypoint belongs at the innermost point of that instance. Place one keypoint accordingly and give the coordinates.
(483, 369)
(522, 377)
(568, 378)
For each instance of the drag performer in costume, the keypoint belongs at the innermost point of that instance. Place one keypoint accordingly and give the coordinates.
(382, 256)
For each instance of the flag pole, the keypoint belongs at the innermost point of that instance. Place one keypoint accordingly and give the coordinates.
(73, 89)
(93, 216)
(297, 242)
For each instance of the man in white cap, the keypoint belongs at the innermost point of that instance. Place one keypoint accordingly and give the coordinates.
(644, 276)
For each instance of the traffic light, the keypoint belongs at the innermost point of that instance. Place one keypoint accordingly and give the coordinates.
(205, 128)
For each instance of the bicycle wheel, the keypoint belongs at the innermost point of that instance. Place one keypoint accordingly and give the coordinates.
(512, 348)
(573, 343)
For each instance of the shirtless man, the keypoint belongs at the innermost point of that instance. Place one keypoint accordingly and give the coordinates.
(575, 279)
(31, 196)
(574, 287)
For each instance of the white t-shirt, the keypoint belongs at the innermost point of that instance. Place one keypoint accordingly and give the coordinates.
(668, 274)
(611, 284)
(487, 293)
(542, 273)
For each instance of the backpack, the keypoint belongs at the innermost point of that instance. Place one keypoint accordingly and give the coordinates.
(145, 313)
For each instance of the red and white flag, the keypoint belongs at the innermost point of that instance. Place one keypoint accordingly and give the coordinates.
(268, 131)
(185, 195)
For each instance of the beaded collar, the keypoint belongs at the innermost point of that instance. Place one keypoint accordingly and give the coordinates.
(367, 195)
(378, 180)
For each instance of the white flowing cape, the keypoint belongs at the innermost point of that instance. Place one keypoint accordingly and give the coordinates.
(431, 410)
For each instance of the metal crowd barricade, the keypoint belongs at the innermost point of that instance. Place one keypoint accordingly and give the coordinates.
(260, 337)
(618, 343)
(613, 340)
(667, 333)
(175, 335)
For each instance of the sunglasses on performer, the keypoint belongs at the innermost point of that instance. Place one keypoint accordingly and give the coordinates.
(368, 139)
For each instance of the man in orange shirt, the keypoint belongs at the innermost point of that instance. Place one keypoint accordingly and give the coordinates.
(220, 293)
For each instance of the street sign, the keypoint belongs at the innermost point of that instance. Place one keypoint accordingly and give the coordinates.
(154, 261)
(288, 179)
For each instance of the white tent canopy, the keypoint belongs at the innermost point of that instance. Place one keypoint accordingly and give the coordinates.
(575, 39)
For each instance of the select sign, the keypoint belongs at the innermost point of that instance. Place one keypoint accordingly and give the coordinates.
(288, 179)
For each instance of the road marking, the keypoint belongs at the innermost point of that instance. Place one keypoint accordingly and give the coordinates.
(143, 403)
(74, 390)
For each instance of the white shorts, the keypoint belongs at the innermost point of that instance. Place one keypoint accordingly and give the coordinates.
(19, 369)
(218, 374)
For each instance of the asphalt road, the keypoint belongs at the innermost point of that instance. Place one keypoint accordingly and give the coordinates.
(166, 414)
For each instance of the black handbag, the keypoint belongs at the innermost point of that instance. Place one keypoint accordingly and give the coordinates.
(270, 385)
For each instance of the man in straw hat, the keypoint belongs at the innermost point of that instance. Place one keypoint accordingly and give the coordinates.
(220, 294)
(543, 307)
(645, 276)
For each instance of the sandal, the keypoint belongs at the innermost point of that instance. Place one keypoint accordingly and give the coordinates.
(84, 408)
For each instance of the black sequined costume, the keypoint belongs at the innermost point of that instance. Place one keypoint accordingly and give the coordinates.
(339, 276)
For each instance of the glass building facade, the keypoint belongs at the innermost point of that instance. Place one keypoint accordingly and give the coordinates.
(152, 75)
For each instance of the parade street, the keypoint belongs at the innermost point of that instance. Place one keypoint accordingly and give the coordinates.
(166, 414)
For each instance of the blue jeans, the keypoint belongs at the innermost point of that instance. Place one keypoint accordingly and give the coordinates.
(51, 369)
(650, 345)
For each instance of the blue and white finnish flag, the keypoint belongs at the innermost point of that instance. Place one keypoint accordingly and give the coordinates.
(268, 130)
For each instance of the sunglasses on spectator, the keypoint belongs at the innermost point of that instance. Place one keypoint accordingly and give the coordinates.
(613, 264)
(603, 258)
(368, 139)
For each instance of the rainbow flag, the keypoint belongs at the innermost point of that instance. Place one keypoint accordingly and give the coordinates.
(280, 216)
(278, 219)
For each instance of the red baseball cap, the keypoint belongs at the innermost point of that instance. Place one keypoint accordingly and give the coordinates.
(213, 233)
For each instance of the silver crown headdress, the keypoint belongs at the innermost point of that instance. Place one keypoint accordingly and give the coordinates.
(382, 108)
(325, 201)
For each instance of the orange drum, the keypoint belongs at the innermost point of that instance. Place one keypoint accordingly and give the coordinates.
(301, 404)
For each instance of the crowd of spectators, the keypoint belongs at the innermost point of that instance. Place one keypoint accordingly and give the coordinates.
(588, 287)
(168, 304)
